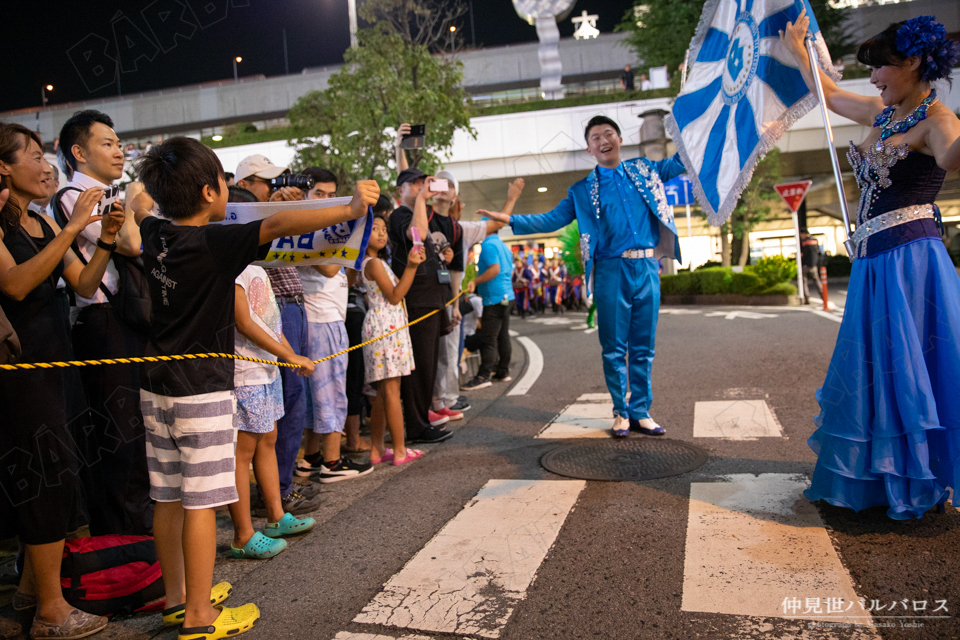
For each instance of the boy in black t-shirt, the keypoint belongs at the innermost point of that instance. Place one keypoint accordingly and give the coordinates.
(188, 406)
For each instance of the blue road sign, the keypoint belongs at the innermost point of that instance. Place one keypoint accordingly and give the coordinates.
(679, 191)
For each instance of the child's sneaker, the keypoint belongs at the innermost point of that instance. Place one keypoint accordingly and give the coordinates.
(305, 469)
(437, 418)
(343, 469)
(451, 414)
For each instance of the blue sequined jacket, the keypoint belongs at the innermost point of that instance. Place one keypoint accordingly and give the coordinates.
(583, 204)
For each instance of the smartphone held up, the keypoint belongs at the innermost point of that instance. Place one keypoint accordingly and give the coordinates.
(415, 139)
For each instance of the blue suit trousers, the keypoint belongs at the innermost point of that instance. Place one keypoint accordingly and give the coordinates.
(627, 295)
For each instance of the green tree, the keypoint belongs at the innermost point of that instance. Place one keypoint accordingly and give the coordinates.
(349, 127)
(659, 31)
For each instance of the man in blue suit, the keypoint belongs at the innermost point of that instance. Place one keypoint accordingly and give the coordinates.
(626, 226)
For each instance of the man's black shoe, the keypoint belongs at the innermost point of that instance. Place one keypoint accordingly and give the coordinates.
(431, 434)
(478, 382)
(462, 405)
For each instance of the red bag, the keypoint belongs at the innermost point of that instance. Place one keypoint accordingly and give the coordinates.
(110, 575)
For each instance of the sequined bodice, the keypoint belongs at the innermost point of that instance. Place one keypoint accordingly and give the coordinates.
(891, 177)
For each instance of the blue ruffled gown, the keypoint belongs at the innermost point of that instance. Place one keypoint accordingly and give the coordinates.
(889, 426)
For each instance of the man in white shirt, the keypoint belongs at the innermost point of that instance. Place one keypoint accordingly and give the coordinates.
(116, 466)
(446, 399)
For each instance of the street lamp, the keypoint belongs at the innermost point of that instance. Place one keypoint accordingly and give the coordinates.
(43, 94)
(235, 61)
(453, 36)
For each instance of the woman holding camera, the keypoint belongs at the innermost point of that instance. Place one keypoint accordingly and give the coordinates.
(889, 427)
(43, 409)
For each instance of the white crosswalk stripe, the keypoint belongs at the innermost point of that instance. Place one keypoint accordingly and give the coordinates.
(469, 578)
(591, 416)
(735, 420)
(754, 544)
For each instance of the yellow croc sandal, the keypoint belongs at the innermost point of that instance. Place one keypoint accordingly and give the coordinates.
(229, 623)
(173, 617)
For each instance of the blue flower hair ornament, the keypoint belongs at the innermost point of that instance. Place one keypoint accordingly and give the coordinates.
(926, 38)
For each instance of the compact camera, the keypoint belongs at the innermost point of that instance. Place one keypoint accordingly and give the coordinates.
(298, 180)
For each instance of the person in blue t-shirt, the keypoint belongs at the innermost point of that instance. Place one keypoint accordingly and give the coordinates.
(495, 286)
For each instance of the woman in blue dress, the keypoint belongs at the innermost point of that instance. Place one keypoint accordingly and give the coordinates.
(889, 425)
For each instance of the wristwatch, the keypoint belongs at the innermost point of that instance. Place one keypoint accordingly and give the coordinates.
(107, 247)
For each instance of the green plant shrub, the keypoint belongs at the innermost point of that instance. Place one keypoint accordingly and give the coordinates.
(710, 264)
(781, 289)
(676, 285)
(746, 283)
(773, 270)
(668, 285)
(838, 266)
(714, 281)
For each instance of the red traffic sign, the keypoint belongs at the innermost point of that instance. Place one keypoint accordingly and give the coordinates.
(793, 193)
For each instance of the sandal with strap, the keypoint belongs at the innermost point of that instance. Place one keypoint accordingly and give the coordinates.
(229, 623)
(412, 454)
(386, 457)
(289, 525)
(173, 617)
(259, 547)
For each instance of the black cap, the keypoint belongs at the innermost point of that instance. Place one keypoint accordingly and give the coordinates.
(410, 175)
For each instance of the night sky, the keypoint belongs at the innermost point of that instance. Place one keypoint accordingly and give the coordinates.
(41, 35)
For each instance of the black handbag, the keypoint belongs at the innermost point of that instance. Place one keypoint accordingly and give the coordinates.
(131, 303)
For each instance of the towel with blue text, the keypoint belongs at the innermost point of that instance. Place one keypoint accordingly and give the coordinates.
(343, 244)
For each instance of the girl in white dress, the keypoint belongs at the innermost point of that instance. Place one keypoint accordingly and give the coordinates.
(390, 358)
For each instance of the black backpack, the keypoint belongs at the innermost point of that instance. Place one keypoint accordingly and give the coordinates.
(131, 303)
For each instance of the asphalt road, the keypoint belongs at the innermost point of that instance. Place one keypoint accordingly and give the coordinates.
(616, 568)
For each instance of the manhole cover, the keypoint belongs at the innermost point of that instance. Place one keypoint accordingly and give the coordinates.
(632, 459)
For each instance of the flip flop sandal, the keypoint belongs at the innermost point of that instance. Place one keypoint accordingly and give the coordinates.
(386, 457)
(259, 547)
(289, 525)
(173, 617)
(229, 623)
(412, 454)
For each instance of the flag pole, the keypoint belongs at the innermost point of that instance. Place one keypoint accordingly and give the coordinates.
(814, 68)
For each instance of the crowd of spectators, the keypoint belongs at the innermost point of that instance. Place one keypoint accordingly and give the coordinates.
(155, 449)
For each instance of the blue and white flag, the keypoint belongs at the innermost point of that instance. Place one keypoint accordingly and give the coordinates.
(344, 244)
(743, 91)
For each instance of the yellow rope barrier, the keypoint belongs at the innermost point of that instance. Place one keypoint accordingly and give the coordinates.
(200, 356)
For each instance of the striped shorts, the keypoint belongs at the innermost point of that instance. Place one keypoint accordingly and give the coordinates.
(191, 448)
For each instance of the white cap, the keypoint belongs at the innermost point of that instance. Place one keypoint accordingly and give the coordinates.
(446, 175)
(257, 165)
